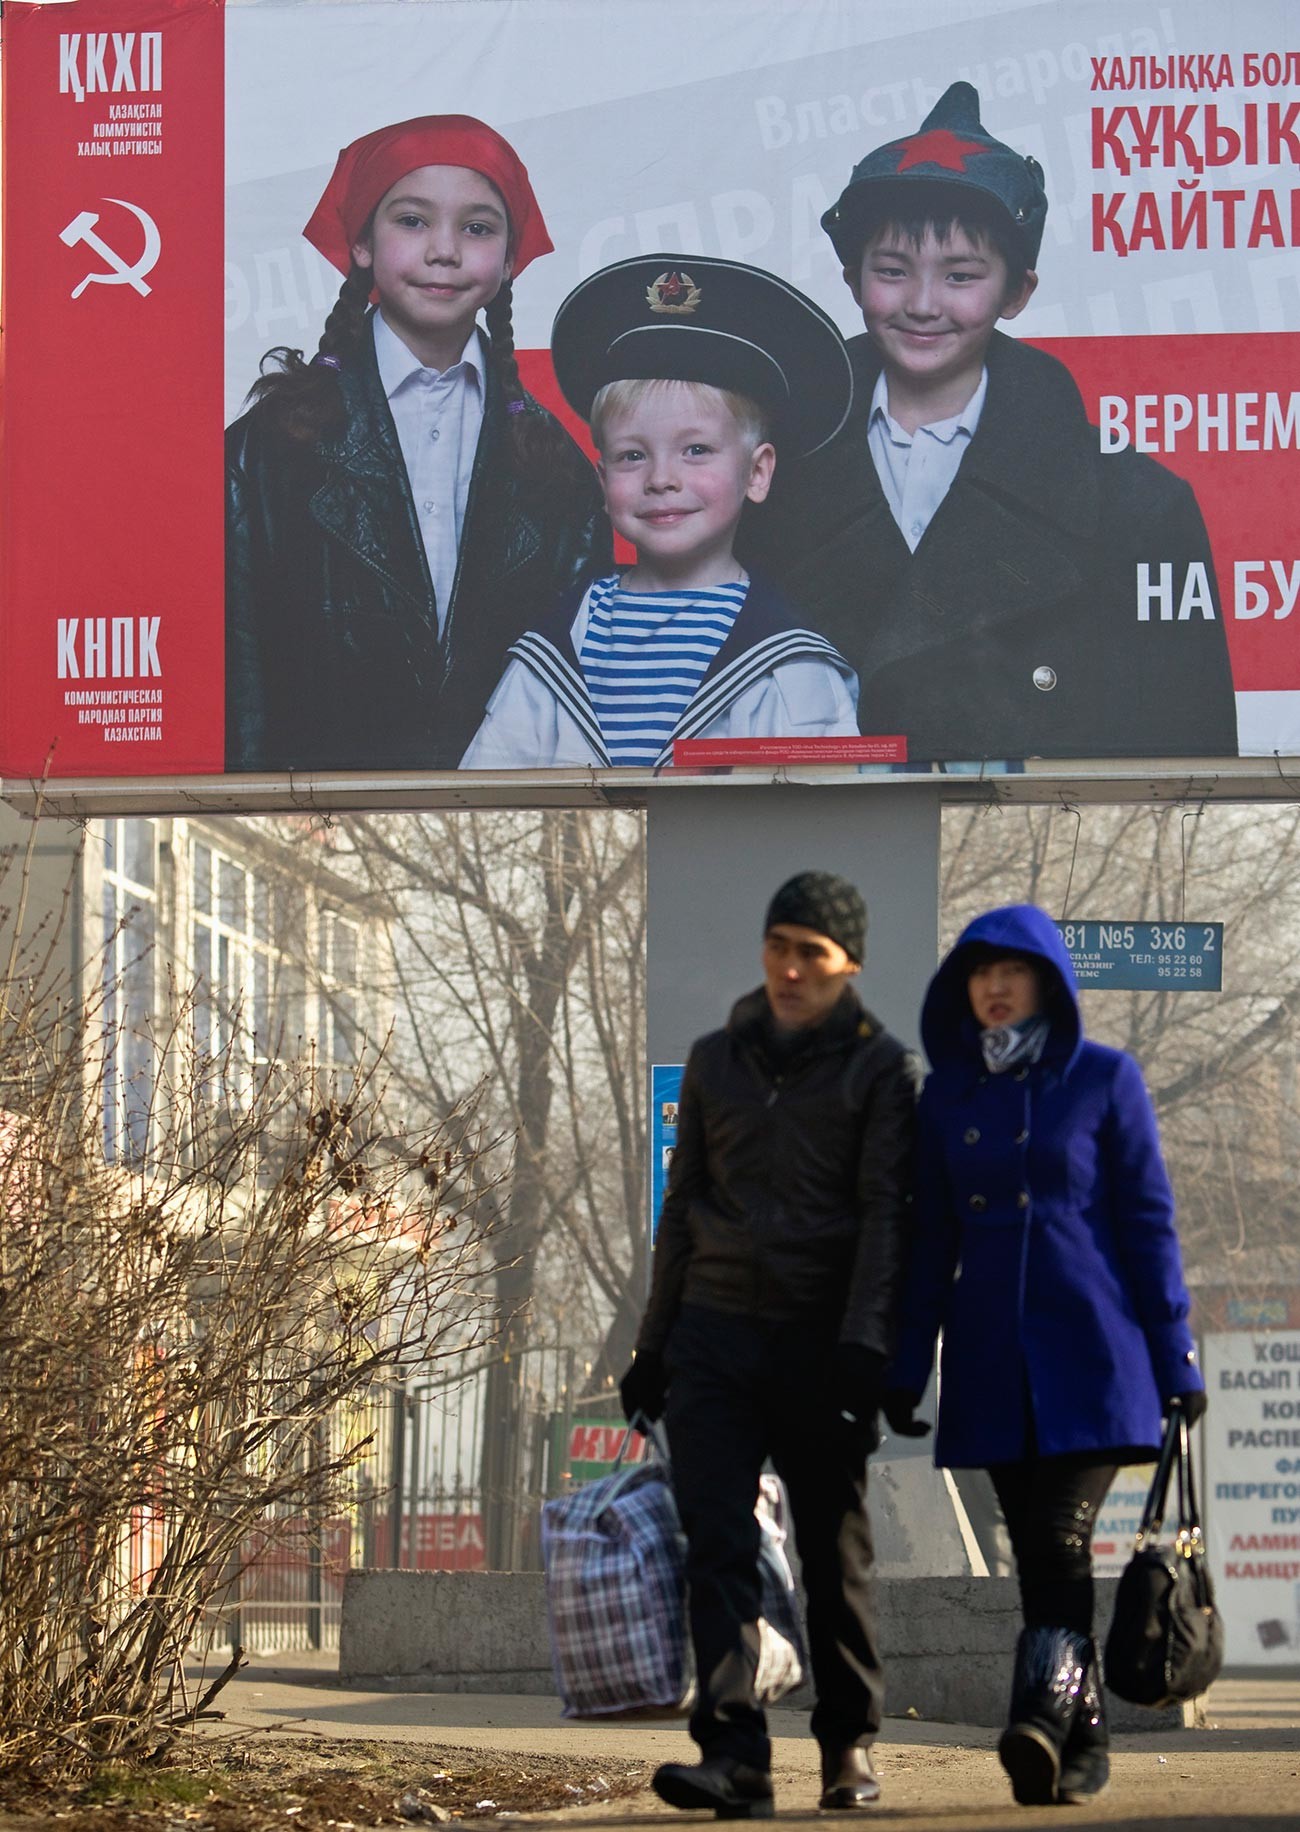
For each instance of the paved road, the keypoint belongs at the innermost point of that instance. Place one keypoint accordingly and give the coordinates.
(1242, 1769)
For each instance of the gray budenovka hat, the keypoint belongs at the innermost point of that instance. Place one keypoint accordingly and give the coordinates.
(953, 149)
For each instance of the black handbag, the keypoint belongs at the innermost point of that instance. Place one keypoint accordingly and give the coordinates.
(1166, 1637)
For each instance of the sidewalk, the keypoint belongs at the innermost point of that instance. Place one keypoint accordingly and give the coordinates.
(1242, 1770)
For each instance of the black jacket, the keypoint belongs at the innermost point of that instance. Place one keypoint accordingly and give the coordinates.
(333, 658)
(788, 1191)
(1029, 565)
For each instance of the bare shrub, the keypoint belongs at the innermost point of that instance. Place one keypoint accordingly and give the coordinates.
(187, 1340)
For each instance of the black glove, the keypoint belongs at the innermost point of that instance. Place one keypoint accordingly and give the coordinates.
(1193, 1403)
(644, 1388)
(898, 1405)
(857, 1380)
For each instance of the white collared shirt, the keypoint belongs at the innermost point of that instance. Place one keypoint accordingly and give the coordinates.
(916, 469)
(438, 416)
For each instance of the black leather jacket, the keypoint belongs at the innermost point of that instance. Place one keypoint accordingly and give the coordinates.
(333, 658)
(789, 1185)
(1013, 631)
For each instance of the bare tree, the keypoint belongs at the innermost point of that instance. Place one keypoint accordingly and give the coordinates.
(519, 941)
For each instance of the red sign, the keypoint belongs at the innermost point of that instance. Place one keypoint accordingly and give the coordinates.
(603, 1443)
(443, 1542)
(703, 753)
(112, 476)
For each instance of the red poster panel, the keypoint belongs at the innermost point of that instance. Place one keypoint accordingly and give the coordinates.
(112, 475)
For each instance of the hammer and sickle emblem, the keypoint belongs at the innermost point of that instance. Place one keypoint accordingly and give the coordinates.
(119, 272)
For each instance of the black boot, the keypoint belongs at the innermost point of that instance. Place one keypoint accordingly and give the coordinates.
(849, 1781)
(730, 1788)
(1085, 1761)
(1044, 1697)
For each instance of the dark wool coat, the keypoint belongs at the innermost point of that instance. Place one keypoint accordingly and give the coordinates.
(787, 1196)
(1029, 565)
(1045, 1243)
(333, 657)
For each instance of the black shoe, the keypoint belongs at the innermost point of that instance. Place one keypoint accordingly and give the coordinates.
(731, 1789)
(849, 1782)
(1045, 1691)
(1085, 1759)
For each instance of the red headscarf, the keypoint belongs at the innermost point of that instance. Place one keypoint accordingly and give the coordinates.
(371, 166)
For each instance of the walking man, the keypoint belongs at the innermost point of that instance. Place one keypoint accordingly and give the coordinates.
(776, 1271)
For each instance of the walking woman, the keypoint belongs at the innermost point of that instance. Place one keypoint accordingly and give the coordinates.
(1045, 1250)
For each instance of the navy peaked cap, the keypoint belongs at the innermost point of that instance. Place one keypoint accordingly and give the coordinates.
(695, 318)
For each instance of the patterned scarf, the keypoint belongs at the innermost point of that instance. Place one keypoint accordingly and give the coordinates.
(1010, 1045)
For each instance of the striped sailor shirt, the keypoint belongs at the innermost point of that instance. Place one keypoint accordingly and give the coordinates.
(644, 655)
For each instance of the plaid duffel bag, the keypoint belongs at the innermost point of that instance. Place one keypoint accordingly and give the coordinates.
(615, 1560)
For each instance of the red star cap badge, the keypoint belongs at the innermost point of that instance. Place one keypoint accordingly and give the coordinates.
(940, 146)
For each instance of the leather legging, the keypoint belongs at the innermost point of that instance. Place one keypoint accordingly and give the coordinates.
(1050, 1505)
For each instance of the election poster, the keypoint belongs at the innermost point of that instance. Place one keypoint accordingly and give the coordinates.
(647, 387)
(1252, 1500)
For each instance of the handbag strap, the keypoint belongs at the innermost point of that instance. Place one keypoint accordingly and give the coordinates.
(1190, 1540)
(1153, 1514)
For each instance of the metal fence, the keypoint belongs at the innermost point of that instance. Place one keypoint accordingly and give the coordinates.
(457, 1469)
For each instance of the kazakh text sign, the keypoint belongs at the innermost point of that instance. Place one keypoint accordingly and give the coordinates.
(1146, 956)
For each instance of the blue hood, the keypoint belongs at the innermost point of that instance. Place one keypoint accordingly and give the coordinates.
(949, 1030)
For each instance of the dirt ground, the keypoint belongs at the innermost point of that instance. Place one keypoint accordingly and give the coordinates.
(253, 1783)
(298, 1750)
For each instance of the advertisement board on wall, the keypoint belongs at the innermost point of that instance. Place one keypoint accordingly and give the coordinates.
(1041, 509)
(1252, 1502)
(665, 1089)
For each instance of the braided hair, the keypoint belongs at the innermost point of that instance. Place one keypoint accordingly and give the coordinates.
(306, 403)
(302, 396)
(541, 450)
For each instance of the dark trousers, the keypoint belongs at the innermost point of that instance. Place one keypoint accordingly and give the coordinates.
(1050, 1505)
(739, 1392)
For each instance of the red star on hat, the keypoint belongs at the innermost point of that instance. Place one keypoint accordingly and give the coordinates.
(939, 147)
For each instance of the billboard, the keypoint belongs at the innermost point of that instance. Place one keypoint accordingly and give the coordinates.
(1052, 515)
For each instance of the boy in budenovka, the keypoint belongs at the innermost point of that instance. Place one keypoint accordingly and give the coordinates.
(963, 541)
(691, 372)
(777, 1268)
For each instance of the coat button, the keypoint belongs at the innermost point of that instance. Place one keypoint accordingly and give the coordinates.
(1022, 1137)
(1022, 1200)
(1044, 679)
(971, 1136)
(979, 1203)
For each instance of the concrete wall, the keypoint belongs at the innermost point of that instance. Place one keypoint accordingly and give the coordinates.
(714, 858)
(947, 1642)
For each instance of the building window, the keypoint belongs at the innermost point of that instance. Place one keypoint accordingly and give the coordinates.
(341, 1037)
(128, 984)
(248, 1005)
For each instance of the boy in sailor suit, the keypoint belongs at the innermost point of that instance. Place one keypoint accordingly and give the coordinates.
(686, 369)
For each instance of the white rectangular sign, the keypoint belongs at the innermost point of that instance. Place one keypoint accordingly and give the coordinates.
(1252, 1502)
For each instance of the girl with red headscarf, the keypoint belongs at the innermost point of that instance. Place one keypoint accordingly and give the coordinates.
(399, 508)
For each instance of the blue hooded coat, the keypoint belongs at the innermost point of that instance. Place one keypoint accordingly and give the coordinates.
(1045, 1246)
